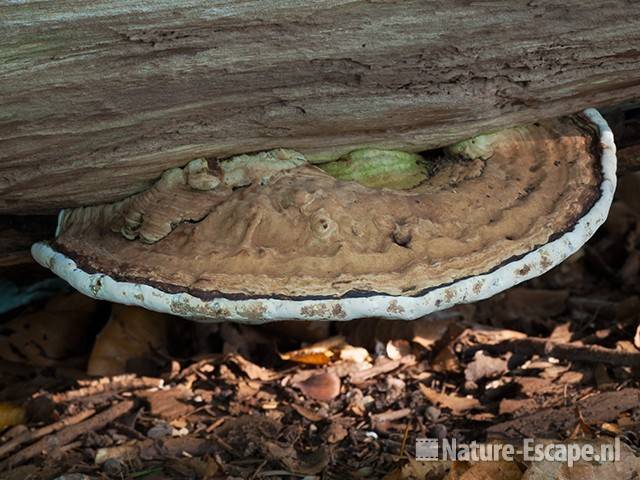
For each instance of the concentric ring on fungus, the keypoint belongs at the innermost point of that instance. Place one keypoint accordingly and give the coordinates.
(377, 234)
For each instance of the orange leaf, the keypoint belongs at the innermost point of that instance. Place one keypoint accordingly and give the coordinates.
(11, 415)
(319, 353)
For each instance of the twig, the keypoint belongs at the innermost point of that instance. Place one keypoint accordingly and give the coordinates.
(223, 444)
(68, 434)
(564, 351)
(119, 383)
(127, 430)
(41, 432)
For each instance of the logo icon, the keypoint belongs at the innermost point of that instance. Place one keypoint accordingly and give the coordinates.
(427, 449)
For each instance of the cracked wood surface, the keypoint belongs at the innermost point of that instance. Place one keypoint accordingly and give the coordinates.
(98, 98)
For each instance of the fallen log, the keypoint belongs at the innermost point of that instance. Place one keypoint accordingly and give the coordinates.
(98, 98)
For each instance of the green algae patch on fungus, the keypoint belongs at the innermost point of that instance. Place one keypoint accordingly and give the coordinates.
(375, 168)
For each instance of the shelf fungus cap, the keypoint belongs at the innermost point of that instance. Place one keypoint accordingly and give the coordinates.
(377, 233)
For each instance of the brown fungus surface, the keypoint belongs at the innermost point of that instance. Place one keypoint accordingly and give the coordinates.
(272, 225)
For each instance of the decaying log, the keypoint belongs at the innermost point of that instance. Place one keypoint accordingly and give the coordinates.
(98, 97)
(18, 233)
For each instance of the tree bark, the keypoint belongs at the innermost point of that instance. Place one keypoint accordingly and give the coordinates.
(98, 97)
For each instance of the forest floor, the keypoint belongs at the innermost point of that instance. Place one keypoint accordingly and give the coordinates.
(158, 397)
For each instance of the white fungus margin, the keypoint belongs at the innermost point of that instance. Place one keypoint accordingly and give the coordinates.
(260, 310)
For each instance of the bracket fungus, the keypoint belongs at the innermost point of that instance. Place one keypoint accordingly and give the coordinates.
(271, 236)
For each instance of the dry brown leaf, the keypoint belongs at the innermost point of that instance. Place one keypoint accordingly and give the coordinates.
(484, 366)
(509, 405)
(253, 371)
(611, 428)
(131, 333)
(455, 403)
(499, 470)
(306, 413)
(191, 467)
(336, 432)
(562, 333)
(319, 353)
(487, 335)
(302, 463)
(458, 468)
(60, 330)
(625, 346)
(446, 361)
(323, 386)
(415, 470)
(168, 404)
(11, 415)
(380, 368)
(428, 333)
(628, 468)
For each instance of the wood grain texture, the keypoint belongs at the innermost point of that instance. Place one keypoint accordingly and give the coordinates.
(98, 97)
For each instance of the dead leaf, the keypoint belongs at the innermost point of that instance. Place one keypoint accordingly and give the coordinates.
(429, 333)
(336, 432)
(319, 353)
(446, 361)
(562, 333)
(168, 404)
(131, 333)
(253, 371)
(611, 428)
(599, 408)
(627, 468)
(509, 405)
(306, 413)
(455, 403)
(323, 387)
(11, 415)
(310, 463)
(499, 470)
(354, 354)
(458, 468)
(415, 470)
(379, 419)
(483, 366)
(479, 334)
(60, 330)
(382, 367)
